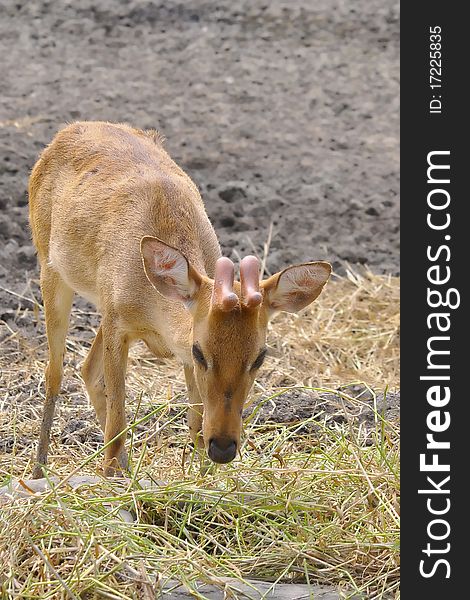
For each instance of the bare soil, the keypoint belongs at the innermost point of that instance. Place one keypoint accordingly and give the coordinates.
(282, 112)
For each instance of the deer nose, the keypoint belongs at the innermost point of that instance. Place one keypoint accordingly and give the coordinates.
(222, 450)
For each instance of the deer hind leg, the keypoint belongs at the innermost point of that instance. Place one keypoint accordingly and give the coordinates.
(115, 351)
(57, 298)
(93, 376)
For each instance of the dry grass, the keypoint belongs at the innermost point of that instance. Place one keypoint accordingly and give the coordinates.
(350, 334)
(313, 504)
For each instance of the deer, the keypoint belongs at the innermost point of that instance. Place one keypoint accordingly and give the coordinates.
(117, 221)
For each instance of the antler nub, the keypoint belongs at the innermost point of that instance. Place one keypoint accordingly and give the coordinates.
(223, 296)
(249, 279)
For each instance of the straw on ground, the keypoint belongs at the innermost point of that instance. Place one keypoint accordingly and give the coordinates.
(312, 501)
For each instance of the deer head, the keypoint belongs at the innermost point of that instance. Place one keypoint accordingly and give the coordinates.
(229, 324)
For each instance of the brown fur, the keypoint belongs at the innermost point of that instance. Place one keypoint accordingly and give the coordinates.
(96, 191)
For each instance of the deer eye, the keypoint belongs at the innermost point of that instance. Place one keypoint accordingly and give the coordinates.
(259, 359)
(199, 356)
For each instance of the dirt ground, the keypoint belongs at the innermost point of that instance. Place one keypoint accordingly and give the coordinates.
(282, 112)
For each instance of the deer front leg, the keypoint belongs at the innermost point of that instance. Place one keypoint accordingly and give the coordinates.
(195, 409)
(57, 297)
(115, 351)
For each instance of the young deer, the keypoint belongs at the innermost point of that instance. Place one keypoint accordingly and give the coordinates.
(117, 221)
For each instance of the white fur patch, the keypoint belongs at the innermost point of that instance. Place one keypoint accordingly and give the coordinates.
(301, 279)
(299, 286)
(167, 270)
(172, 269)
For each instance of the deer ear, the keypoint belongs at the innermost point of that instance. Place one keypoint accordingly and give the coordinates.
(295, 287)
(169, 271)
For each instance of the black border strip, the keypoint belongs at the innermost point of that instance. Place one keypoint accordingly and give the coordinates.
(423, 247)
